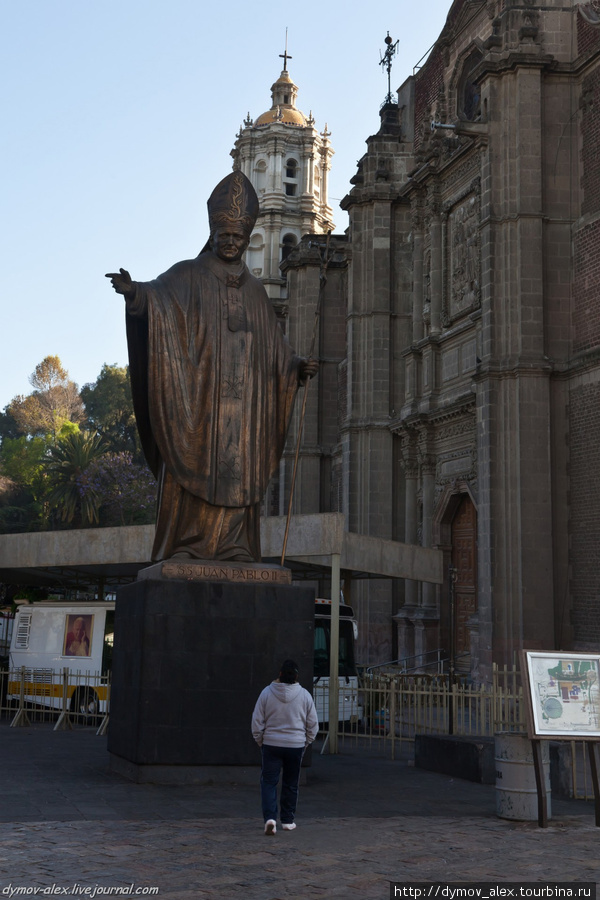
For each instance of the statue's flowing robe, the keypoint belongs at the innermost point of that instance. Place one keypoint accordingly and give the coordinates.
(213, 383)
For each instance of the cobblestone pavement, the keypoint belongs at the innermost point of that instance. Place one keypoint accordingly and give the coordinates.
(363, 821)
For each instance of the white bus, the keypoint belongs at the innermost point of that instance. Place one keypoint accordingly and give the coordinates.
(349, 709)
(49, 637)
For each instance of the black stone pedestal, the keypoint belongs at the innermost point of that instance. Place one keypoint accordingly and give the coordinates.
(189, 661)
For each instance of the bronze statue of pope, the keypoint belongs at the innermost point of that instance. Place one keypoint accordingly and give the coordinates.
(213, 382)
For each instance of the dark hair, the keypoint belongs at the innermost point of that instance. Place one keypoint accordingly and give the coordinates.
(289, 672)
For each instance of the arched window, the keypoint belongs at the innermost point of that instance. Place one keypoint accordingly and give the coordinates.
(255, 254)
(287, 245)
(260, 176)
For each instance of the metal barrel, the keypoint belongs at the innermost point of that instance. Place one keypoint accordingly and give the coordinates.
(516, 791)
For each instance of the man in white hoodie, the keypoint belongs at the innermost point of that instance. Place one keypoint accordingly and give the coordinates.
(284, 723)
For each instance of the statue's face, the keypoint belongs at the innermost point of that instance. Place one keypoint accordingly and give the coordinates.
(229, 242)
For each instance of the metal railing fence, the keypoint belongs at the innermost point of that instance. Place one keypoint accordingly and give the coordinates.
(432, 659)
(392, 708)
(63, 696)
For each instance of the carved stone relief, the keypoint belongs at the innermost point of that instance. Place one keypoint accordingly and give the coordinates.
(408, 453)
(467, 173)
(464, 292)
(447, 448)
(457, 428)
(458, 463)
(456, 443)
(427, 285)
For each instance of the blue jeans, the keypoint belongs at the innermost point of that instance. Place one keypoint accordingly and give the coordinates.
(274, 759)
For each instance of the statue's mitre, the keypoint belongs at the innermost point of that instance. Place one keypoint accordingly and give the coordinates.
(233, 202)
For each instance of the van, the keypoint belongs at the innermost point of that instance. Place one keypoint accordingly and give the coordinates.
(62, 648)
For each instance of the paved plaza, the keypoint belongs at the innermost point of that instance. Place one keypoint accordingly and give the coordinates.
(67, 822)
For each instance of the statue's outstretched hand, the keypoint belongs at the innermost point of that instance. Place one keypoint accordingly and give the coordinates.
(121, 281)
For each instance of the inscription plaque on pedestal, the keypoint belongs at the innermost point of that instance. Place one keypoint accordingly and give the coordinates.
(217, 570)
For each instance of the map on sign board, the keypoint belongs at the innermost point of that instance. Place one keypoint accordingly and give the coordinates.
(564, 690)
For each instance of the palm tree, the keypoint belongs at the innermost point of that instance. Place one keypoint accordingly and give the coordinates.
(66, 462)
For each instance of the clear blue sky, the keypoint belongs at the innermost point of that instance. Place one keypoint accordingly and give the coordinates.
(118, 121)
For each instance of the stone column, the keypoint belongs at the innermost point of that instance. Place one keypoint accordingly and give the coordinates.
(271, 252)
(515, 590)
(377, 303)
(325, 167)
(246, 166)
(428, 465)
(278, 172)
(411, 474)
(417, 296)
(270, 171)
(307, 179)
(436, 272)
(406, 636)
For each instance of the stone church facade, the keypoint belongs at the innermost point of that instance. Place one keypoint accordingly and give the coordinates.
(458, 403)
(498, 389)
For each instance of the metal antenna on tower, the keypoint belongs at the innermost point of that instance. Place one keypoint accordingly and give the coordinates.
(386, 63)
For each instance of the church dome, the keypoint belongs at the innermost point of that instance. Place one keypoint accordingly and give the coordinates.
(282, 114)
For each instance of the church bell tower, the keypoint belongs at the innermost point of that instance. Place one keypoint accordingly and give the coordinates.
(288, 161)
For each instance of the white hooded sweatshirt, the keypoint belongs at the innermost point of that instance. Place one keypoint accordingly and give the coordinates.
(284, 716)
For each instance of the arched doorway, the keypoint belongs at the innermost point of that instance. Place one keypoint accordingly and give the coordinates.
(464, 562)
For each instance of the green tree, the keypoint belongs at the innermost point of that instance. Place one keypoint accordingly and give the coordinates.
(8, 425)
(16, 504)
(23, 460)
(66, 462)
(23, 484)
(54, 401)
(109, 409)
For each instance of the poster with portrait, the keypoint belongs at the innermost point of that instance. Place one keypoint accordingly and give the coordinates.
(562, 694)
(78, 635)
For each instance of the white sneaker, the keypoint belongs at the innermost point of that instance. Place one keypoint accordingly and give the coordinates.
(289, 826)
(271, 827)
